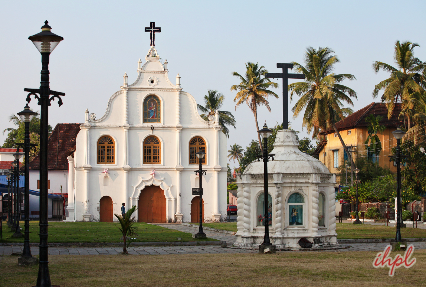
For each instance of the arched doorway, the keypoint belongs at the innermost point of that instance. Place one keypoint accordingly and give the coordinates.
(152, 205)
(195, 209)
(106, 212)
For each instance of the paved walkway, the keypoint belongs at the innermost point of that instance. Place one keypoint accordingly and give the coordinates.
(228, 237)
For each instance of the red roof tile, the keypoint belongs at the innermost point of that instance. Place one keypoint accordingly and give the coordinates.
(357, 119)
(6, 164)
(61, 144)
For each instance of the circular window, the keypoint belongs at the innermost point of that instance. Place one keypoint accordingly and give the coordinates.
(152, 81)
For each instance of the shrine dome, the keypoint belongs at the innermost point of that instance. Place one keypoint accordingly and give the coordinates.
(288, 159)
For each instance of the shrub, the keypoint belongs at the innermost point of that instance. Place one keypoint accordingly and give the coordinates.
(373, 213)
(407, 215)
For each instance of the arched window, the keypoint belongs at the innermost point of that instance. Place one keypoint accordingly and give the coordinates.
(260, 210)
(295, 209)
(151, 150)
(151, 109)
(321, 210)
(106, 150)
(196, 144)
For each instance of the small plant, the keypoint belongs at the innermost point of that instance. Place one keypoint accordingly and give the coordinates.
(373, 213)
(407, 215)
(353, 213)
(127, 229)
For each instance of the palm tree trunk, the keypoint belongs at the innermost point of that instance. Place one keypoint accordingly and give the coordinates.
(125, 244)
(257, 128)
(347, 152)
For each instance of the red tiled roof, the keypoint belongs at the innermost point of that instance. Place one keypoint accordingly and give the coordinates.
(61, 144)
(6, 164)
(357, 119)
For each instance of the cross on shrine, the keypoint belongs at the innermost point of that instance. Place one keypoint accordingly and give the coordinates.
(152, 30)
(285, 76)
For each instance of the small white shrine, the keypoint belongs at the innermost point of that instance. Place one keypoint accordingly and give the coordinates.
(301, 199)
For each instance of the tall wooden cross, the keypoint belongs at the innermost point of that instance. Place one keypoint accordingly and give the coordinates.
(285, 76)
(152, 30)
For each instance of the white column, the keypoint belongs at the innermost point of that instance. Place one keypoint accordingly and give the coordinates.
(216, 151)
(126, 147)
(126, 193)
(86, 201)
(278, 209)
(70, 189)
(87, 155)
(126, 109)
(178, 148)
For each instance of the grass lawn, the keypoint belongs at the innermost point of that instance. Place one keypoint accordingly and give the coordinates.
(281, 269)
(349, 230)
(97, 232)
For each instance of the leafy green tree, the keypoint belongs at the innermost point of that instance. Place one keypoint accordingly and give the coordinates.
(405, 82)
(373, 142)
(127, 227)
(17, 134)
(254, 90)
(251, 154)
(235, 153)
(414, 169)
(321, 95)
(213, 102)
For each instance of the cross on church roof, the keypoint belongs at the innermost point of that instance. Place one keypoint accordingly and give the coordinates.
(285, 76)
(152, 30)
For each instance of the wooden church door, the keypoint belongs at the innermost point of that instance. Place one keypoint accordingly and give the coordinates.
(106, 212)
(152, 205)
(195, 209)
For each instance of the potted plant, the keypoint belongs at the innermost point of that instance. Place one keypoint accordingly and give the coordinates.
(353, 214)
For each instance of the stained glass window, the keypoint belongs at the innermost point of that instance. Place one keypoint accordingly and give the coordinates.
(260, 210)
(151, 109)
(295, 208)
(197, 144)
(151, 150)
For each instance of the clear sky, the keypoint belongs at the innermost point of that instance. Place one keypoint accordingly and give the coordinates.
(203, 41)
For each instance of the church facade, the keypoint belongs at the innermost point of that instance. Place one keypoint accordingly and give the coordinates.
(142, 152)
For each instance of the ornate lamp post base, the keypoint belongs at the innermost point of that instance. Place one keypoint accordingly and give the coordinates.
(26, 261)
(357, 221)
(200, 235)
(267, 249)
(17, 234)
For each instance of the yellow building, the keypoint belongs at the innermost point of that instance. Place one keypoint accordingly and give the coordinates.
(354, 132)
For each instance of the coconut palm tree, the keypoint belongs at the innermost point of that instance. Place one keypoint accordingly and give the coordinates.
(321, 94)
(254, 90)
(127, 227)
(235, 153)
(213, 101)
(406, 79)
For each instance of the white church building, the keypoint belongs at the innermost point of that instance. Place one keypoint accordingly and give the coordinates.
(142, 152)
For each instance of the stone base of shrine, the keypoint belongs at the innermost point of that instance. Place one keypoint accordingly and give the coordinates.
(289, 243)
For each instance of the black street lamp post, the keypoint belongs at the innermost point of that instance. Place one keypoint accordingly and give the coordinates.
(45, 42)
(9, 189)
(13, 191)
(17, 233)
(265, 133)
(357, 221)
(398, 134)
(200, 172)
(26, 115)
